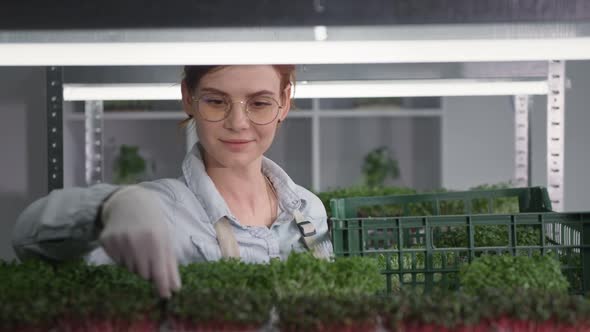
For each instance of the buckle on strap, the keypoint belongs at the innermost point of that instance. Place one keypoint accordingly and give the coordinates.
(306, 228)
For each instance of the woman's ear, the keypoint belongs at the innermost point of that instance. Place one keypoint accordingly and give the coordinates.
(187, 101)
(286, 104)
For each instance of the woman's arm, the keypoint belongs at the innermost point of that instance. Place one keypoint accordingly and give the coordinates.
(61, 225)
(131, 224)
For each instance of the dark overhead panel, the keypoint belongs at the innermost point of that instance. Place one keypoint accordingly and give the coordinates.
(111, 14)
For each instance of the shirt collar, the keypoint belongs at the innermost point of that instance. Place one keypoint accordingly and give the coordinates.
(199, 182)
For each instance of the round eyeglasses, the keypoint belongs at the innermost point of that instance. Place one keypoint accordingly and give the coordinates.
(214, 107)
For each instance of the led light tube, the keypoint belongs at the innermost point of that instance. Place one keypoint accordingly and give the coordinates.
(292, 52)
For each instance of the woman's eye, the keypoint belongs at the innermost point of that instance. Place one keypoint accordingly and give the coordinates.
(214, 101)
(260, 103)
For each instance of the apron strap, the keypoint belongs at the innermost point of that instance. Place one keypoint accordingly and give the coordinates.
(230, 249)
(308, 233)
(227, 239)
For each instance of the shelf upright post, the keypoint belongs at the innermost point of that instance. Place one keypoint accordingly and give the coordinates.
(555, 133)
(522, 141)
(54, 107)
(93, 139)
(315, 145)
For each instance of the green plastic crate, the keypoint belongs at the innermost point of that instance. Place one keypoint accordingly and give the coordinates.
(533, 199)
(424, 251)
(510, 200)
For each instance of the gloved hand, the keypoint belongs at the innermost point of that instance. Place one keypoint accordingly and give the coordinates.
(136, 235)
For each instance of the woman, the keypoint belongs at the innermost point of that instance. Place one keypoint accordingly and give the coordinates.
(230, 201)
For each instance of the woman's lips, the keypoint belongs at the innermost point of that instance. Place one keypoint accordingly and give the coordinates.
(236, 141)
(236, 145)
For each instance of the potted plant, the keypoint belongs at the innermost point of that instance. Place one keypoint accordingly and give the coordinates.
(328, 313)
(221, 309)
(226, 295)
(491, 309)
(26, 301)
(105, 298)
(378, 165)
(130, 166)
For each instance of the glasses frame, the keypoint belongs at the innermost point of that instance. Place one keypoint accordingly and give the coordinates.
(230, 107)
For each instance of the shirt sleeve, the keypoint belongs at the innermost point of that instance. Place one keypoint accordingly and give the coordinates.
(61, 225)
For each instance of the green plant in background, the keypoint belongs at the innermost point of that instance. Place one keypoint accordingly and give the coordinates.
(507, 272)
(129, 166)
(378, 165)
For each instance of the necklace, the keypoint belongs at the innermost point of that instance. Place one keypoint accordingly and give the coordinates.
(270, 198)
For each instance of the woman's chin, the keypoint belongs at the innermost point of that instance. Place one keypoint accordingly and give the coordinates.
(237, 160)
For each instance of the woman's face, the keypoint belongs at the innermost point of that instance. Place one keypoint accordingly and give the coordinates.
(236, 141)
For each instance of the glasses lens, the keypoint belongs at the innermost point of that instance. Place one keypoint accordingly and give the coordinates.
(213, 107)
(262, 110)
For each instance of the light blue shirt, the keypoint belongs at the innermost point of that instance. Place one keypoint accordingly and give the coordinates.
(62, 225)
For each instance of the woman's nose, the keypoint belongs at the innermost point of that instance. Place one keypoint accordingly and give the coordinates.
(237, 118)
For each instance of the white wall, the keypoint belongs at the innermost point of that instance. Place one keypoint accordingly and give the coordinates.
(478, 140)
(159, 141)
(577, 138)
(23, 166)
(413, 142)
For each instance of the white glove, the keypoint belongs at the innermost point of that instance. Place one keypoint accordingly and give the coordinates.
(137, 236)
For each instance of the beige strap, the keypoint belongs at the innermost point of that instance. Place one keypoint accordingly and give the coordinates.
(308, 233)
(226, 238)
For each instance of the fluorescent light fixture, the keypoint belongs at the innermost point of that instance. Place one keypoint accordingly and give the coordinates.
(80, 92)
(418, 88)
(324, 89)
(293, 52)
(320, 33)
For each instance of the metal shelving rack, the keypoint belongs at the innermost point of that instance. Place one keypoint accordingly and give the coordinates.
(522, 104)
(553, 43)
(94, 117)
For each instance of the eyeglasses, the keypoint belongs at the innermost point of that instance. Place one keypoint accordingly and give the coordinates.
(215, 107)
